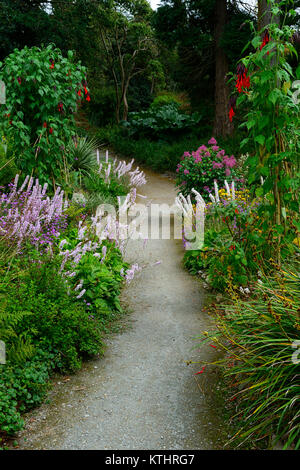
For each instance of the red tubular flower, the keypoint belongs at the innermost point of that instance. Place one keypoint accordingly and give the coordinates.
(242, 82)
(231, 114)
(266, 39)
(60, 107)
(88, 98)
(45, 124)
(85, 90)
(79, 92)
(201, 371)
(19, 80)
(51, 64)
(51, 130)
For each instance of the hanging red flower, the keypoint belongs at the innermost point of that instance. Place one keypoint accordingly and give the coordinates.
(19, 80)
(242, 82)
(51, 130)
(45, 124)
(232, 104)
(88, 98)
(60, 107)
(85, 90)
(51, 64)
(266, 40)
(79, 92)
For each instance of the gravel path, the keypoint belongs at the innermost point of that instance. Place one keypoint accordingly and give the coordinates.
(142, 394)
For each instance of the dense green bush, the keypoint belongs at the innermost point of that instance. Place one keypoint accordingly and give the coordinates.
(160, 122)
(43, 90)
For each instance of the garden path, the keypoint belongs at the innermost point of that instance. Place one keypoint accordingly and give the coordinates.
(142, 394)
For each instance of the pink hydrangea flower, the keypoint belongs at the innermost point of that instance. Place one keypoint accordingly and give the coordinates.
(212, 141)
(215, 148)
(186, 172)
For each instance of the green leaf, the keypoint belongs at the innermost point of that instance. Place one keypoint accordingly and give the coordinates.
(260, 139)
(274, 95)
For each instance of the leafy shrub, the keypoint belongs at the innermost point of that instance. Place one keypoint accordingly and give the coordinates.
(50, 319)
(102, 280)
(22, 387)
(201, 168)
(235, 246)
(43, 89)
(165, 121)
(163, 100)
(96, 184)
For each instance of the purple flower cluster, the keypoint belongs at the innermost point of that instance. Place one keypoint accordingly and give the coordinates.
(29, 215)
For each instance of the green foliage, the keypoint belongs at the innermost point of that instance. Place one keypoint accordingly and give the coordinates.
(101, 109)
(96, 185)
(22, 387)
(82, 154)
(41, 88)
(165, 99)
(164, 121)
(272, 122)
(161, 155)
(8, 168)
(102, 280)
(257, 333)
(235, 247)
(45, 326)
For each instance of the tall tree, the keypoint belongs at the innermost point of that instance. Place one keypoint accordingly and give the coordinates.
(127, 41)
(222, 125)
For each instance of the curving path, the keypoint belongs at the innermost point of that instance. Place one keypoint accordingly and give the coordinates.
(142, 395)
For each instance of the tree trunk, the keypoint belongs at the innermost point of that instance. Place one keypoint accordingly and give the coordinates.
(125, 105)
(222, 124)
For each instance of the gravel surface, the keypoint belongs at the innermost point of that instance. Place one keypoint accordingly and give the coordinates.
(142, 394)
